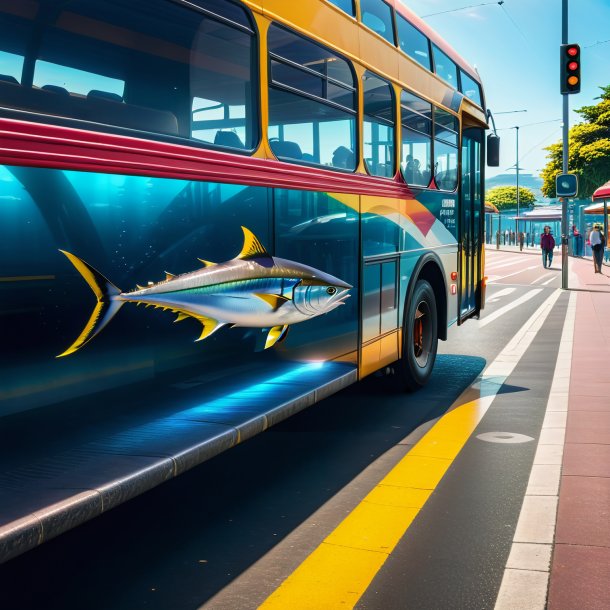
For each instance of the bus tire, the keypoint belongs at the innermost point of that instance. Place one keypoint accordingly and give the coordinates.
(420, 338)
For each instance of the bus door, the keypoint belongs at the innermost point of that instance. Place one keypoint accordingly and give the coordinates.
(380, 336)
(471, 197)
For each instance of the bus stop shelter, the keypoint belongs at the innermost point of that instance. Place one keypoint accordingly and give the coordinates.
(546, 215)
(600, 205)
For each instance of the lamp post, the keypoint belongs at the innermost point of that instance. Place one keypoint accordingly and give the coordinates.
(516, 128)
(517, 170)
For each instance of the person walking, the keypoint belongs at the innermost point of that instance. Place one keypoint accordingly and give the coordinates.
(521, 240)
(598, 242)
(547, 243)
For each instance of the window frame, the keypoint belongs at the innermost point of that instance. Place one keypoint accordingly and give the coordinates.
(352, 2)
(430, 66)
(430, 136)
(462, 73)
(433, 138)
(394, 40)
(45, 117)
(393, 125)
(457, 147)
(434, 47)
(294, 91)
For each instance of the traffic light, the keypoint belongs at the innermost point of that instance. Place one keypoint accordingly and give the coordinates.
(570, 68)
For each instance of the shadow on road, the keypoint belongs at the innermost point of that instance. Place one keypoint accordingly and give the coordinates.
(178, 545)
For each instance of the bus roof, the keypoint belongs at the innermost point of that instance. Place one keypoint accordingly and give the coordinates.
(419, 23)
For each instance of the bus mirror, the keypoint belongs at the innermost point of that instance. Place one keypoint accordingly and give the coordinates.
(493, 150)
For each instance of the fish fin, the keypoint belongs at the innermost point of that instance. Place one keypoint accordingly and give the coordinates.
(206, 263)
(210, 326)
(181, 316)
(253, 248)
(275, 301)
(277, 333)
(140, 287)
(106, 307)
(169, 276)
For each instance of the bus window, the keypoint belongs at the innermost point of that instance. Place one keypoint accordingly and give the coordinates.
(347, 6)
(107, 65)
(413, 42)
(446, 129)
(445, 67)
(75, 81)
(377, 16)
(312, 102)
(378, 126)
(416, 122)
(11, 67)
(470, 88)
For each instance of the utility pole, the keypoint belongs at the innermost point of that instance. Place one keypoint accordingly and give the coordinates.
(517, 168)
(566, 129)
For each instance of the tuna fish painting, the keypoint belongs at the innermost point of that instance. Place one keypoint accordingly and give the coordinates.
(254, 290)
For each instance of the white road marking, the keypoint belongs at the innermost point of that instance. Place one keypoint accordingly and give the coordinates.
(502, 263)
(543, 277)
(526, 576)
(500, 312)
(502, 277)
(501, 293)
(549, 281)
(504, 437)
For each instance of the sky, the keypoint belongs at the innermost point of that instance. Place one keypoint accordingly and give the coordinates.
(515, 48)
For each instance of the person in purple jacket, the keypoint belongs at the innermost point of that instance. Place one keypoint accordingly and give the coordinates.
(547, 243)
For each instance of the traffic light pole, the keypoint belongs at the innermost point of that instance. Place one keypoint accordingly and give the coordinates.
(566, 128)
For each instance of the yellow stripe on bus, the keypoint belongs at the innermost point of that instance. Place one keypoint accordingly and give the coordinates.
(340, 570)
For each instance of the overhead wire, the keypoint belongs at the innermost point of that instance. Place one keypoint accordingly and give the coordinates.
(514, 23)
(596, 43)
(529, 124)
(463, 8)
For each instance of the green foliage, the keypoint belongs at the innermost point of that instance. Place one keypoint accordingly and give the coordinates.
(589, 150)
(505, 197)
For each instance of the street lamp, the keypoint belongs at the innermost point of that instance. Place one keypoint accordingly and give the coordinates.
(516, 165)
(517, 170)
(516, 128)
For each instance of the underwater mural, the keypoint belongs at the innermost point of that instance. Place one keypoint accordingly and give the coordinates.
(254, 290)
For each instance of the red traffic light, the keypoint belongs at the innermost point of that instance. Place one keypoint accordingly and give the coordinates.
(569, 68)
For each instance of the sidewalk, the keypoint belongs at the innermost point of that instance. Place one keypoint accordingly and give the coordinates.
(580, 568)
(536, 250)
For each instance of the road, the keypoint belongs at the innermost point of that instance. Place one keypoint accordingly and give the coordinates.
(228, 533)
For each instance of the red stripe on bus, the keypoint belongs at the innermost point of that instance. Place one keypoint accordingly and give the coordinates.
(57, 147)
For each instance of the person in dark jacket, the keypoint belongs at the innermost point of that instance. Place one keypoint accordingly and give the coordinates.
(547, 243)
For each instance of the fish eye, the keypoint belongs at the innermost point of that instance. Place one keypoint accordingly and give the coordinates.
(331, 290)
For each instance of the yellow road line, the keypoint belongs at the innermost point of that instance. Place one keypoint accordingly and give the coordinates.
(339, 571)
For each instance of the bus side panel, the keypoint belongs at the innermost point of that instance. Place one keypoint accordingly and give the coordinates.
(133, 230)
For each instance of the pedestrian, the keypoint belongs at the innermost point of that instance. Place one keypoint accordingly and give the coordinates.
(521, 240)
(598, 243)
(547, 243)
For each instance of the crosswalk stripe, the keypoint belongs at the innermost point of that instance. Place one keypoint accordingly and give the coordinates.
(500, 312)
(503, 277)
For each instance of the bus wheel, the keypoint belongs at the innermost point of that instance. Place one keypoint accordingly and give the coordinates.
(420, 338)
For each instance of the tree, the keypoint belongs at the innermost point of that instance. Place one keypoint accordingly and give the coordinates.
(589, 150)
(505, 197)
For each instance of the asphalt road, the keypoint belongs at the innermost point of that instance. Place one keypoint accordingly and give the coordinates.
(227, 533)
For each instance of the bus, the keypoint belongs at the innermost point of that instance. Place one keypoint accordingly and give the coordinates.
(298, 184)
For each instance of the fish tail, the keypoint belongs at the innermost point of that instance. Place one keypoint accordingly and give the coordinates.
(106, 307)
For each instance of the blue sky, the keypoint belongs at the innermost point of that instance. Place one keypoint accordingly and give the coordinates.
(515, 48)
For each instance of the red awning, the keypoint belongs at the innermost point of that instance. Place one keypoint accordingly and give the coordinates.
(603, 192)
